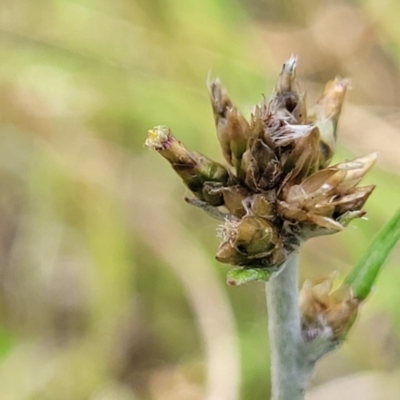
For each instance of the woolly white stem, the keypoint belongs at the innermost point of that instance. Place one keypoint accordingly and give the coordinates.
(290, 368)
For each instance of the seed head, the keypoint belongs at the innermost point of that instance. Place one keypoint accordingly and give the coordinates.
(278, 189)
(322, 309)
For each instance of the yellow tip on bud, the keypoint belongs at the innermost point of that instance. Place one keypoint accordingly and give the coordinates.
(158, 138)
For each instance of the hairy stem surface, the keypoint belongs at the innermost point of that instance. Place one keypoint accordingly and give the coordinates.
(290, 368)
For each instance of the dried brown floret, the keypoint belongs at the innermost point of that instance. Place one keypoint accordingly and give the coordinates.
(277, 190)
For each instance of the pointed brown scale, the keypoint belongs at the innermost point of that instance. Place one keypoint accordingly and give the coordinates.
(306, 154)
(324, 222)
(297, 150)
(232, 127)
(272, 260)
(325, 115)
(288, 102)
(267, 138)
(212, 193)
(279, 255)
(295, 195)
(271, 176)
(259, 153)
(238, 133)
(318, 202)
(322, 289)
(233, 197)
(353, 200)
(261, 206)
(325, 207)
(326, 198)
(320, 308)
(258, 139)
(263, 170)
(291, 212)
(329, 105)
(302, 160)
(238, 130)
(250, 170)
(227, 254)
(307, 305)
(255, 131)
(356, 170)
(299, 113)
(324, 181)
(221, 103)
(259, 127)
(341, 317)
(194, 168)
(219, 98)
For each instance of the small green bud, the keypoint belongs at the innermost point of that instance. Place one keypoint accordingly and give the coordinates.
(240, 276)
(248, 241)
(255, 236)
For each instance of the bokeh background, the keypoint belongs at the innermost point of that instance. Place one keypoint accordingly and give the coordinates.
(108, 285)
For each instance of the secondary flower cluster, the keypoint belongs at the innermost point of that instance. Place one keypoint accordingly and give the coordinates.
(276, 189)
(322, 309)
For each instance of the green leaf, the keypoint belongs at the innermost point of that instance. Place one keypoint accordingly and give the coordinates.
(240, 276)
(362, 278)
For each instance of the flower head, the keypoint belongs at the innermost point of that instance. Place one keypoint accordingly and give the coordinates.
(277, 189)
(323, 309)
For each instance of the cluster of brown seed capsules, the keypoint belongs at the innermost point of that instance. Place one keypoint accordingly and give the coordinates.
(277, 189)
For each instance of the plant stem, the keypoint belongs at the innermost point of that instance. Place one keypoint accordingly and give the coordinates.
(290, 368)
(363, 276)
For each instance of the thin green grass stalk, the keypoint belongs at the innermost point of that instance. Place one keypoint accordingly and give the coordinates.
(362, 278)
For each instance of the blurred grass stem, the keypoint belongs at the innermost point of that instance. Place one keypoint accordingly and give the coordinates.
(290, 368)
(363, 276)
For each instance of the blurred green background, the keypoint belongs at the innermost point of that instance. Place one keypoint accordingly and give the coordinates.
(108, 285)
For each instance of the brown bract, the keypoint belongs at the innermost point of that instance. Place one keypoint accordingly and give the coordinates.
(323, 309)
(277, 189)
